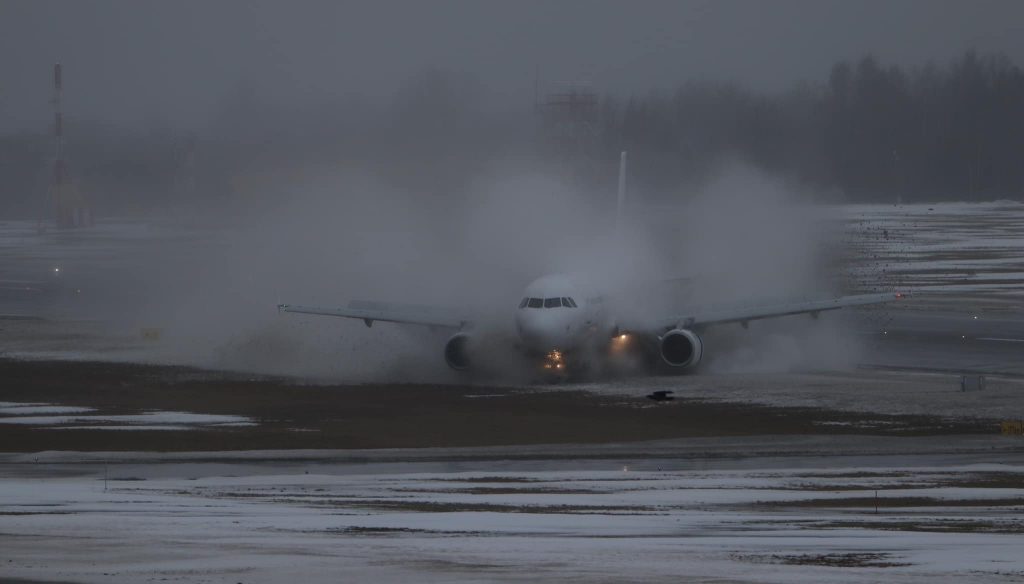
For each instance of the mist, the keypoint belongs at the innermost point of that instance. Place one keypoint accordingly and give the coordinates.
(403, 152)
(344, 236)
(349, 235)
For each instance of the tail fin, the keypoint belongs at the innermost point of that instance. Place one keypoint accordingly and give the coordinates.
(620, 208)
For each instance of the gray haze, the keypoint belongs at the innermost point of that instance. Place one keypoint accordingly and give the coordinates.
(388, 151)
(178, 63)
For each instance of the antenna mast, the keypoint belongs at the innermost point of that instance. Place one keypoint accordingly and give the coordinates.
(59, 171)
(620, 207)
(69, 205)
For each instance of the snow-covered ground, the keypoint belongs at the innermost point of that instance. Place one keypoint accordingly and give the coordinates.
(802, 524)
(40, 415)
(97, 286)
(946, 248)
(716, 509)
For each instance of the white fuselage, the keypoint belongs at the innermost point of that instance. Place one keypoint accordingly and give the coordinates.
(558, 313)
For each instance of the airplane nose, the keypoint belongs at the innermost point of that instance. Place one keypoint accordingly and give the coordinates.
(542, 335)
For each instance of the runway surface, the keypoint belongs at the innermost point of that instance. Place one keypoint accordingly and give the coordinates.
(770, 509)
(95, 294)
(129, 454)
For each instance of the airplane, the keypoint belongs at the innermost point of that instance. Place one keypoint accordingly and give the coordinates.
(571, 329)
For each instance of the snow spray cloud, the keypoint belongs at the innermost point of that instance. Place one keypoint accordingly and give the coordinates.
(344, 235)
(750, 238)
(322, 235)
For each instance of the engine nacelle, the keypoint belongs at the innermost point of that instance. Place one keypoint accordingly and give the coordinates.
(681, 348)
(457, 352)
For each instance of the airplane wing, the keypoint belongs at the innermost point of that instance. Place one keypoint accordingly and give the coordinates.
(370, 312)
(712, 315)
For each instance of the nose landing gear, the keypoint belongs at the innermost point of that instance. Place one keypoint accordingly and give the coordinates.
(554, 361)
(553, 367)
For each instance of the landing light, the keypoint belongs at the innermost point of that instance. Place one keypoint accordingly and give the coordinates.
(620, 342)
(554, 360)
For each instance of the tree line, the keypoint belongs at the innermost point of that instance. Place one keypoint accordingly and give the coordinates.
(867, 132)
(870, 132)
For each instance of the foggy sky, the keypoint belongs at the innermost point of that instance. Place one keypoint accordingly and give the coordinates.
(141, 63)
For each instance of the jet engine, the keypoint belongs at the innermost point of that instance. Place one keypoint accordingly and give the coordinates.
(681, 348)
(456, 352)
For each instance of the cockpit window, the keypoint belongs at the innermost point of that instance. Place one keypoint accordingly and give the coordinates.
(535, 302)
(524, 302)
(568, 302)
(552, 302)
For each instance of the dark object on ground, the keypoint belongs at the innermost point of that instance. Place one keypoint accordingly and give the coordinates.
(661, 395)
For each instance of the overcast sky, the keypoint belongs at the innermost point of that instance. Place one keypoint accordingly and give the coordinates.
(173, 62)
